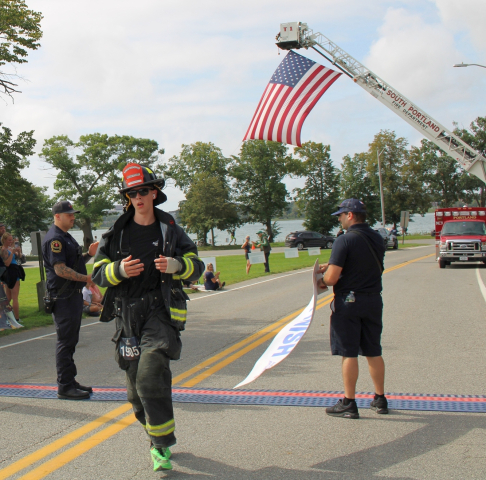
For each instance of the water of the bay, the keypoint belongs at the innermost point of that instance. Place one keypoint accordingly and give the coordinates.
(418, 224)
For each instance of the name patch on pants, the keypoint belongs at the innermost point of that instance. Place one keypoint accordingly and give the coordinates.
(129, 348)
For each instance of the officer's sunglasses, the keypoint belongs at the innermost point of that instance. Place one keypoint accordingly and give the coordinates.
(143, 192)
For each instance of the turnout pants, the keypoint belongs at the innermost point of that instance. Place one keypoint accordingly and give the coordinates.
(145, 322)
(67, 315)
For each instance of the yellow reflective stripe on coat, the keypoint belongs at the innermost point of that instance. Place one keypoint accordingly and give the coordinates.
(178, 314)
(101, 262)
(189, 268)
(161, 430)
(176, 277)
(110, 274)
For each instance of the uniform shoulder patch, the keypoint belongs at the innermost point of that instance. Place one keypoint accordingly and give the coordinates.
(56, 246)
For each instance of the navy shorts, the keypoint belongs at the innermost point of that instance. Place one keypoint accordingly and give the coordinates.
(356, 326)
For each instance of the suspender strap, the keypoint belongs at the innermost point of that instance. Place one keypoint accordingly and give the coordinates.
(380, 265)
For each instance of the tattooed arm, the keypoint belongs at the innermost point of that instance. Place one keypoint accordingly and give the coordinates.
(6, 257)
(69, 274)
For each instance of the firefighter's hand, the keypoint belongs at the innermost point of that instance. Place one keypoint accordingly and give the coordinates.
(93, 249)
(167, 264)
(131, 268)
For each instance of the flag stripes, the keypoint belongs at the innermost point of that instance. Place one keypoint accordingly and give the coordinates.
(283, 109)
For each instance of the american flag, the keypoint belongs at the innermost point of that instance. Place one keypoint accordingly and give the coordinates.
(294, 89)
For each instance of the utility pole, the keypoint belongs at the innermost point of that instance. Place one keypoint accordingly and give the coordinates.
(378, 153)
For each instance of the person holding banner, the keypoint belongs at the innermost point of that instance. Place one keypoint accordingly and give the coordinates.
(265, 247)
(354, 270)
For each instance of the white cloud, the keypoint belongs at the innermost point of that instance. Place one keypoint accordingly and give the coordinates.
(180, 72)
(468, 17)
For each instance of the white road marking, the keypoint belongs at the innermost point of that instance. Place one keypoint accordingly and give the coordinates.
(43, 336)
(253, 284)
(482, 287)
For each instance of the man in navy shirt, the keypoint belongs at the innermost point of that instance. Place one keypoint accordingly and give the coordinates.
(355, 269)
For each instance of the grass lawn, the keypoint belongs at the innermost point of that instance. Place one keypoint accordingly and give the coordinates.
(233, 267)
(411, 245)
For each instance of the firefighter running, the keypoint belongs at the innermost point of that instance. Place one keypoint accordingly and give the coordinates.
(143, 260)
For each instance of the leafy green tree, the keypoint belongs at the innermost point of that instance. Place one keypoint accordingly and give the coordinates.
(207, 206)
(439, 174)
(356, 182)
(23, 206)
(19, 31)
(318, 199)
(89, 171)
(195, 159)
(28, 211)
(13, 158)
(259, 172)
(394, 157)
(472, 187)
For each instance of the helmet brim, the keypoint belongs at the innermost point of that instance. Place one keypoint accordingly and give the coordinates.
(158, 181)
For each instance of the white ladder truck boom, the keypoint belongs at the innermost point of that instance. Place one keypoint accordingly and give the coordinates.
(295, 35)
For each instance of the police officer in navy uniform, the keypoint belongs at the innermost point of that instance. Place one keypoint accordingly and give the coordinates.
(66, 277)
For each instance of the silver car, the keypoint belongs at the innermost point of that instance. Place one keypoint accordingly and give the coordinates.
(390, 239)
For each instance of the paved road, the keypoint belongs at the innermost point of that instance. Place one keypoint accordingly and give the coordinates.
(433, 343)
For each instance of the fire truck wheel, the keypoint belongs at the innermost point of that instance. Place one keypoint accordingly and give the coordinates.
(442, 263)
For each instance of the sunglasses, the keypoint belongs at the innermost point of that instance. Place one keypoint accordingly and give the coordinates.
(143, 192)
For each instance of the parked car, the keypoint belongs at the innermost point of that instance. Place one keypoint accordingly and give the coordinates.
(304, 239)
(390, 239)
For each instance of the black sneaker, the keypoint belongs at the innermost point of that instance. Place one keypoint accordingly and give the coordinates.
(345, 411)
(379, 405)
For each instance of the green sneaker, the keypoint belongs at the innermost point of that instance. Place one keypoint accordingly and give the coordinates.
(161, 456)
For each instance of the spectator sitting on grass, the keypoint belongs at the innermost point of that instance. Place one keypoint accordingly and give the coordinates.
(211, 279)
(90, 305)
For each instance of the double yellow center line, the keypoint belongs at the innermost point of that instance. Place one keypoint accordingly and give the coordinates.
(215, 363)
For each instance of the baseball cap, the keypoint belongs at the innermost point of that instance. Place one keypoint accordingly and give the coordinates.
(351, 205)
(63, 207)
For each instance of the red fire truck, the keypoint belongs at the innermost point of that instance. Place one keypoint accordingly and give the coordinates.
(460, 235)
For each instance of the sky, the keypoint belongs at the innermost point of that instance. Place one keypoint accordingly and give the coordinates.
(181, 72)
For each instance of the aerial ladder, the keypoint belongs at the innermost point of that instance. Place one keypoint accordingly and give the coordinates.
(295, 35)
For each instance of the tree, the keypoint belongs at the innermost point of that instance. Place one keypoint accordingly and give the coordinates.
(195, 159)
(207, 206)
(19, 31)
(89, 171)
(29, 210)
(318, 199)
(13, 158)
(259, 172)
(356, 183)
(473, 188)
(439, 174)
(393, 156)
